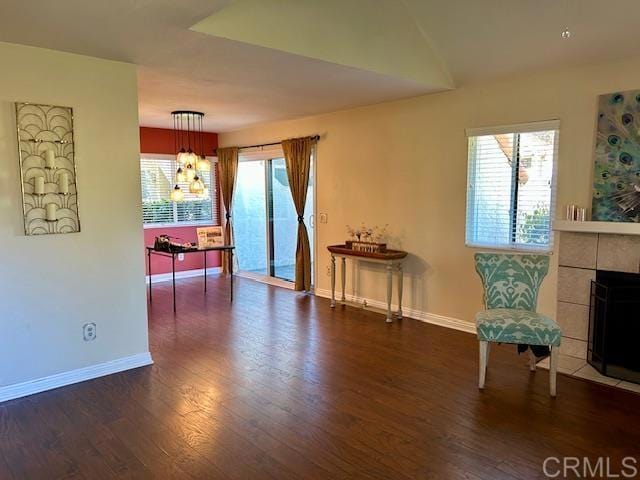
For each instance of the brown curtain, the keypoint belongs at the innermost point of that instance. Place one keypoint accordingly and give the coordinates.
(228, 169)
(297, 154)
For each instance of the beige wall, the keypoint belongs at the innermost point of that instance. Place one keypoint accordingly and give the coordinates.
(51, 285)
(404, 163)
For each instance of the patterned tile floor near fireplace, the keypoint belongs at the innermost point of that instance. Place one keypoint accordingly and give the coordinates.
(579, 368)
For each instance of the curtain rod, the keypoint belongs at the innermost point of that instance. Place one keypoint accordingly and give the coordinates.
(314, 137)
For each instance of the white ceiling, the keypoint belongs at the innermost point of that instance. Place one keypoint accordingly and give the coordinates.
(490, 38)
(243, 77)
(374, 35)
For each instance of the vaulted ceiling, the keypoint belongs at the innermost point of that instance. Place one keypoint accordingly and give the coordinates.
(249, 61)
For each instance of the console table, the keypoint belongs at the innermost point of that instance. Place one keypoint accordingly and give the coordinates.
(172, 255)
(392, 259)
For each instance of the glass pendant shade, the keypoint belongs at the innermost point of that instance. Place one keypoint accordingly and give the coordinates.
(181, 177)
(177, 195)
(182, 156)
(192, 158)
(190, 172)
(197, 186)
(203, 165)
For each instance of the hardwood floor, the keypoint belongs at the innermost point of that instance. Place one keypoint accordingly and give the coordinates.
(280, 386)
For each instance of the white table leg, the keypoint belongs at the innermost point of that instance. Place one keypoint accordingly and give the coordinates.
(344, 276)
(389, 291)
(400, 283)
(333, 281)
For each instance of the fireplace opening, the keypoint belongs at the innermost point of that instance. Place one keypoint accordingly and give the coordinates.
(614, 325)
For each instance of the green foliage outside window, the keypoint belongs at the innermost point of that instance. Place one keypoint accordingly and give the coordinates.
(533, 227)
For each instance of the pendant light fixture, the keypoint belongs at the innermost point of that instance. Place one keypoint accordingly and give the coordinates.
(566, 33)
(190, 172)
(190, 154)
(197, 186)
(204, 165)
(181, 177)
(177, 195)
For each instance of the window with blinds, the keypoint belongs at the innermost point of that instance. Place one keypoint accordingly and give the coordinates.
(510, 189)
(157, 176)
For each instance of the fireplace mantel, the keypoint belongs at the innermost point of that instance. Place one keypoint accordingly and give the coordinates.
(613, 228)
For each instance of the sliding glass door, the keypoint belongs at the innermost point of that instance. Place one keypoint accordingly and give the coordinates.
(249, 218)
(265, 219)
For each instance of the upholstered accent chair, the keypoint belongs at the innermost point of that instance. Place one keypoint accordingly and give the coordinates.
(511, 284)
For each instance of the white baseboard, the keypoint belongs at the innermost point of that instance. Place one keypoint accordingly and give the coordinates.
(435, 319)
(166, 277)
(74, 376)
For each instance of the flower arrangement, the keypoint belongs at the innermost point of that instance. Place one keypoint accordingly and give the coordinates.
(367, 239)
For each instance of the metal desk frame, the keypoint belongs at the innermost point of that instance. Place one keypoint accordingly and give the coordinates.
(172, 255)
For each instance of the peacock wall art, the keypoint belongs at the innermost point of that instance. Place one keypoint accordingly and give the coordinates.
(616, 186)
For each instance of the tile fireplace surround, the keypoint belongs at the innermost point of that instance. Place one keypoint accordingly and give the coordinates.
(581, 254)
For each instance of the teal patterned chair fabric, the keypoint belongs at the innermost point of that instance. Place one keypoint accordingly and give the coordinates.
(506, 325)
(511, 283)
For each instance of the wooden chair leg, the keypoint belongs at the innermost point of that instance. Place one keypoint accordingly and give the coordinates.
(532, 361)
(484, 353)
(553, 368)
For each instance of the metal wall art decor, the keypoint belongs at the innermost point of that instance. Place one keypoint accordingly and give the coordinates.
(616, 186)
(47, 169)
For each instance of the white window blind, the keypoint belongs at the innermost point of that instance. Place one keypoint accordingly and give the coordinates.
(510, 188)
(157, 176)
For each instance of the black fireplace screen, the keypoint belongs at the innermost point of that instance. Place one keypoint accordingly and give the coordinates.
(614, 325)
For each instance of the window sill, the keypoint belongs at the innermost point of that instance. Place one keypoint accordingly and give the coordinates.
(178, 225)
(543, 249)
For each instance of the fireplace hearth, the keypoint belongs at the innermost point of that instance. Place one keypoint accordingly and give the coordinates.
(614, 325)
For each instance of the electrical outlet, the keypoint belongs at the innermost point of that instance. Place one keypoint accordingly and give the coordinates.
(328, 271)
(180, 257)
(89, 331)
(324, 218)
